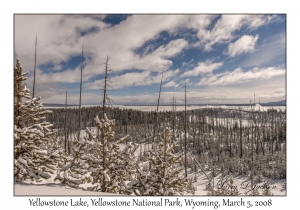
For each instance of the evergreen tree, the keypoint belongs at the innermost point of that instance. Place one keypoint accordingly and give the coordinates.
(165, 177)
(32, 134)
(112, 167)
(77, 167)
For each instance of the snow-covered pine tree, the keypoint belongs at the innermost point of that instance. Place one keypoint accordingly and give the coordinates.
(111, 166)
(77, 167)
(165, 177)
(32, 133)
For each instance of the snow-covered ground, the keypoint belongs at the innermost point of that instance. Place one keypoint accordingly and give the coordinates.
(49, 187)
(52, 190)
(278, 187)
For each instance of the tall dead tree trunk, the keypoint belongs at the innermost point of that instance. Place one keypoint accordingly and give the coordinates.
(241, 140)
(66, 121)
(185, 121)
(106, 100)
(33, 87)
(252, 145)
(156, 119)
(174, 116)
(79, 110)
(272, 126)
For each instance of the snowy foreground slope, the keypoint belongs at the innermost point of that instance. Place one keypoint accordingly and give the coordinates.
(37, 190)
(53, 188)
(277, 188)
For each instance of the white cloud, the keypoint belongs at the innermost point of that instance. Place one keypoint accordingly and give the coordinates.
(271, 51)
(135, 79)
(202, 68)
(265, 90)
(57, 67)
(154, 61)
(243, 45)
(223, 30)
(238, 76)
(67, 76)
(59, 38)
(157, 59)
(187, 63)
(170, 84)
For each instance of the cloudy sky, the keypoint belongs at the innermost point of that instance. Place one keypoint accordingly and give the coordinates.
(222, 58)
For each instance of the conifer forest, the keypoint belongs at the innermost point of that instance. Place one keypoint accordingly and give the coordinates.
(108, 149)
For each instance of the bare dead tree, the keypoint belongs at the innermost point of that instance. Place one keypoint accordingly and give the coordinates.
(79, 114)
(185, 122)
(106, 85)
(105, 101)
(241, 142)
(33, 87)
(156, 120)
(66, 121)
(174, 116)
(252, 145)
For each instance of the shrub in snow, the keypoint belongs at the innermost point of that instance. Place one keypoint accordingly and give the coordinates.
(77, 167)
(165, 177)
(31, 132)
(111, 166)
(99, 161)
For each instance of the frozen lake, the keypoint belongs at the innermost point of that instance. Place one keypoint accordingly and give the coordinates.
(181, 108)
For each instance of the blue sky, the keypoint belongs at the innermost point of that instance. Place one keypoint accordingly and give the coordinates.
(222, 58)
